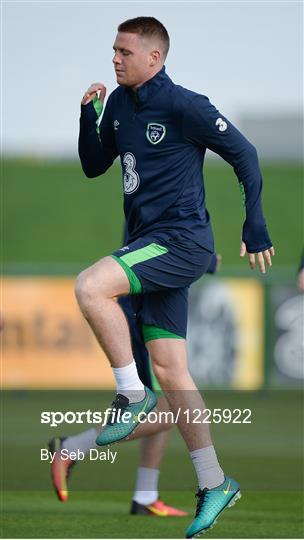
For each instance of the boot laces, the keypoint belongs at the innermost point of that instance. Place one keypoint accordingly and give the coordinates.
(201, 496)
(120, 403)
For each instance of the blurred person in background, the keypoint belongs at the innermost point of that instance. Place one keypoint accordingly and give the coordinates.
(300, 276)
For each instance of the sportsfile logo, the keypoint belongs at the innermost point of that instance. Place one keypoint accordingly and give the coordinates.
(113, 415)
(110, 415)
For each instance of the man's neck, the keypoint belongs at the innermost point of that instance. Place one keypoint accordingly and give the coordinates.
(136, 86)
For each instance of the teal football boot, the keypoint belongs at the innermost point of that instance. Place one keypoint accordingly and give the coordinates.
(210, 504)
(123, 418)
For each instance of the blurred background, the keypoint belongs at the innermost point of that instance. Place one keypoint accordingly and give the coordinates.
(245, 329)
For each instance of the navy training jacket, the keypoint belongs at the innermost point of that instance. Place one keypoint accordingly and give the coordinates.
(161, 132)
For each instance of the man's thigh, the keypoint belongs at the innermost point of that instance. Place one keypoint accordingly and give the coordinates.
(105, 277)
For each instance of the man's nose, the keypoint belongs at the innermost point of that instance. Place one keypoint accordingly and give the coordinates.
(116, 59)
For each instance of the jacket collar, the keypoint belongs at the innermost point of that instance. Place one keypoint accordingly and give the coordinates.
(150, 87)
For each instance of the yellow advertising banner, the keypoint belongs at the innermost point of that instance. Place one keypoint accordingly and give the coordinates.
(248, 296)
(46, 343)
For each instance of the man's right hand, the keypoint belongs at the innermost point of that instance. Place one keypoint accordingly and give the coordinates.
(262, 257)
(92, 91)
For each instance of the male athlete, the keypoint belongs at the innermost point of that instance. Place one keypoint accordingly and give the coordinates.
(161, 132)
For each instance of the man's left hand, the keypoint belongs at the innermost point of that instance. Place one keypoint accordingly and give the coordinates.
(262, 257)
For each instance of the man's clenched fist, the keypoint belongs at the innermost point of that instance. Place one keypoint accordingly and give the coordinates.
(92, 91)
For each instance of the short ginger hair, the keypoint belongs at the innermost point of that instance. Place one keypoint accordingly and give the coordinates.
(147, 27)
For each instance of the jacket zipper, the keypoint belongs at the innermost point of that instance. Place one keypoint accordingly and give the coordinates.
(136, 100)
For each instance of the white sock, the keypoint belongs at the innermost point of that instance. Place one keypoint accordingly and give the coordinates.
(208, 470)
(128, 382)
(146, 488)
(84, 441)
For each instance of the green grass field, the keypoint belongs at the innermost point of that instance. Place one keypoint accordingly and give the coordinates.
(265, 457)
(55, 216)
(105, 515)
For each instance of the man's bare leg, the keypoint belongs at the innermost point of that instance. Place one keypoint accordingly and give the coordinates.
(96, 290)
(146, 486)
(152, 449)
(169, 358)
(170, 366)
(146, 495)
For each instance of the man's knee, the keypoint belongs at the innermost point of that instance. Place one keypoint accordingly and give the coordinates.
(104, 280)
(86, 289)
(167, 370)
(162, 373)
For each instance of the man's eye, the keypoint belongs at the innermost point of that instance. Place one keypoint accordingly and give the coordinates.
(125, 53)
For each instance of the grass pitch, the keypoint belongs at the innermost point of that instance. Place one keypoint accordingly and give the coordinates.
(105, 515)
(265, 457)
(54, 215)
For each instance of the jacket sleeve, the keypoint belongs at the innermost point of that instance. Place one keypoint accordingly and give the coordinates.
(203, 124)
(212, 265)
(96, 144)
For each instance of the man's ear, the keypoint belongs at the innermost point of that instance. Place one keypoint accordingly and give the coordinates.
(154, 58)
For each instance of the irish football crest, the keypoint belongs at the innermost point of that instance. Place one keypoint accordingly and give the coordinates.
(155, 133)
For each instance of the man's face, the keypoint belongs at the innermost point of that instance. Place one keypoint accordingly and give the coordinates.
(133, 59)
